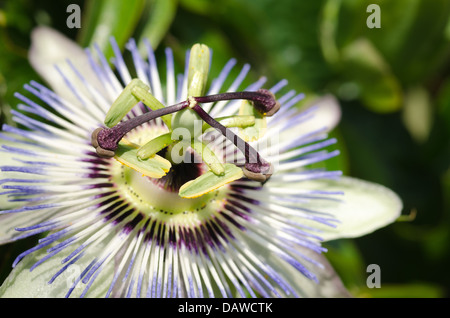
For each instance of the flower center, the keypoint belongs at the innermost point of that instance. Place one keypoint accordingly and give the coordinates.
(184, 116)
(106, 140)
(159, 197)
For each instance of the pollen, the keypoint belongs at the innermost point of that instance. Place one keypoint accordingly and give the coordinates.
(192, 102)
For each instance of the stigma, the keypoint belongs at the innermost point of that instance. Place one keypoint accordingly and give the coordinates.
(106, 140)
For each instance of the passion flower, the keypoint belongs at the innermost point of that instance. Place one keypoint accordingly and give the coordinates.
(123, 206)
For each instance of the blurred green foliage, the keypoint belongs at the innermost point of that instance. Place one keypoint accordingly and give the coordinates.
(393, 84)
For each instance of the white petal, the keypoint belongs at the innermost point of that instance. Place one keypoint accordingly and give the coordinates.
(328, 114)
(365, 207)
(49, 48)
(23, 283)
(325, 117)
(8, 222)
(329, 284)
(320, 117)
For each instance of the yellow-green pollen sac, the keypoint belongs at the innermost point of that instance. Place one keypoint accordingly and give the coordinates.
(154, 155)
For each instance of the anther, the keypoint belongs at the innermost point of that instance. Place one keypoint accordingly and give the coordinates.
(255, 167)
(260, 172)
(266, 104)
(104, 153)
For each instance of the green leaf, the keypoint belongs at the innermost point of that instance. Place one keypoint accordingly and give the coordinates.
(411, 290)
(161, 15)
(380, 91)
(443, 106)
(209, 181)
(106, 18)
(418, 113)
(198, 6)
(328, 31)
(155, 167)
(403, 22)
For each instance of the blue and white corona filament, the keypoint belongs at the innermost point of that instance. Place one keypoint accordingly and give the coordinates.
(132, 229)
